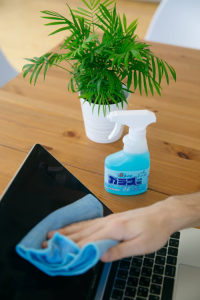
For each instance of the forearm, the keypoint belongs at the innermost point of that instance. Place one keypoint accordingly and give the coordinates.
(139, 231)
(183, 211)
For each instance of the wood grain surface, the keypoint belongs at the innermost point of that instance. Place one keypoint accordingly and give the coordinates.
(49, 115)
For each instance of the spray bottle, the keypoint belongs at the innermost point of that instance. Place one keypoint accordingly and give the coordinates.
(127, 171)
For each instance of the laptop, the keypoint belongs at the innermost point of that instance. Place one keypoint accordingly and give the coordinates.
(42, 185)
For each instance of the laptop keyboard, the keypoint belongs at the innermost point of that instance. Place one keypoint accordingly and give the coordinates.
(150, 276)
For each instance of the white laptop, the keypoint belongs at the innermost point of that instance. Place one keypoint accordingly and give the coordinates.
(43, 185)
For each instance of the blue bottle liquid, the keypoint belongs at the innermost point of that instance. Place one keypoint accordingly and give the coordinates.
(127, 174)
(127, 171)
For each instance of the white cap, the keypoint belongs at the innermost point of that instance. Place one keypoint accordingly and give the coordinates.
(136, 120)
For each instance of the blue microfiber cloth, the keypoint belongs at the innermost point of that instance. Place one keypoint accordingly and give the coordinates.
(63, 256)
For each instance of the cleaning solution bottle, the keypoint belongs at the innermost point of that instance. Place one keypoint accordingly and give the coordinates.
(127, 171)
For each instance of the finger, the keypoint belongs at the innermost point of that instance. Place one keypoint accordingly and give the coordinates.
(72, 228)
(107, 232)
(87, 232)
(140, 245)
(50, 234)
(44, 245)
(125, 249)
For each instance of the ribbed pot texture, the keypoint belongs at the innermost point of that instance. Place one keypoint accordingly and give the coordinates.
(97, 126)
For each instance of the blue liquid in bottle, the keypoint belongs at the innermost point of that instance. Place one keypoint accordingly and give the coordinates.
(126, 173)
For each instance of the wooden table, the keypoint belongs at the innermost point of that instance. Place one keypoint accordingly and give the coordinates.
(48, 114)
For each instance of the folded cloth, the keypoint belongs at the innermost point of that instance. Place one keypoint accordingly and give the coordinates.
(63, 256)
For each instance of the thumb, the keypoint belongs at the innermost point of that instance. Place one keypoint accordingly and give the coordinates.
(124, 249)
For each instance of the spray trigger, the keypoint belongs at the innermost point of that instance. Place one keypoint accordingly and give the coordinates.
(115, 131)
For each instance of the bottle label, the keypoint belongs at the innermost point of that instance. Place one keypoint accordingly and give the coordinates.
(126, 181)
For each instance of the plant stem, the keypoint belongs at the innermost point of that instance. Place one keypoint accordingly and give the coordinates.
(61, 67)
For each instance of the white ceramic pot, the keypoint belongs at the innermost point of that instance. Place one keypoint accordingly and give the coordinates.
(97, 126)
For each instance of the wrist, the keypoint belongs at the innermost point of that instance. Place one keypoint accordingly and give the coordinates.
(183, 211)
(167, 214)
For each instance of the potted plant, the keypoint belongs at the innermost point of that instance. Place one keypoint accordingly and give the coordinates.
(101, 63)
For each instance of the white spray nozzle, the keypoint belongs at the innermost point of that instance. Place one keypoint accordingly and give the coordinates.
(136, 120)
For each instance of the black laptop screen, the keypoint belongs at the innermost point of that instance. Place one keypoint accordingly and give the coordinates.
(41, 186)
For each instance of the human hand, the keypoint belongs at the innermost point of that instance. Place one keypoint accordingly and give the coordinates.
(139, 231)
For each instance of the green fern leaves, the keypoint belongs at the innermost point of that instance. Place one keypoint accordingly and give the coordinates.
(98, 66)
